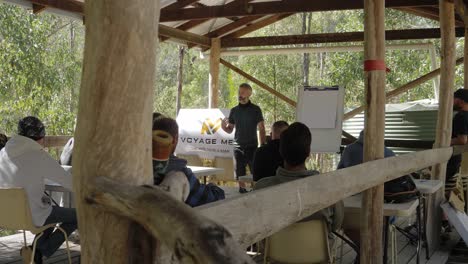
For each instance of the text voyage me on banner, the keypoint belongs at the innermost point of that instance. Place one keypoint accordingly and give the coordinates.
(200, 133)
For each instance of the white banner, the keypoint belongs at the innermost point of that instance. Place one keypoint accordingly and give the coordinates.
(200, 133)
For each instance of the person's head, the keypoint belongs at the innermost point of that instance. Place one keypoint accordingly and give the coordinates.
(168, 125)
(3, 140)
(460, 100)
(156, 116)
(277, 128)
(295, 145)
(245, 91)
(31, 127)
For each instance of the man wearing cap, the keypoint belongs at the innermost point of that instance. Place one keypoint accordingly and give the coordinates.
(459, 133)
(25, 164)
(245, 118)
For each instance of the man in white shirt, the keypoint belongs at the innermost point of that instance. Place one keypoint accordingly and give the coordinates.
(25, 164)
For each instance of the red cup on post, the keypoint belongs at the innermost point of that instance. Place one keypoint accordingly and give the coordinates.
(162, 145)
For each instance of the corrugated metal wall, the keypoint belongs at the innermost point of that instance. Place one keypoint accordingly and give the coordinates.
(407, 125)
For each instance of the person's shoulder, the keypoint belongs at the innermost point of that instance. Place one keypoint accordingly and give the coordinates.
(267, 182)
(254, 106)
(235, 108)
(462, 114)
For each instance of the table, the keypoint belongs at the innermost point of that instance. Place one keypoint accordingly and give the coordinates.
(51, 186)
(353, 204)
(428, 186)
(425, 188)
(203, 172)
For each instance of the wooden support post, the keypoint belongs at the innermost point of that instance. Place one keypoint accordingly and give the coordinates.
(372, 203)
(115, 103)
(215, 56)
(444, 118)
(180, 79)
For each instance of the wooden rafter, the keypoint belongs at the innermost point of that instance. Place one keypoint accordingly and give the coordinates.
(403, 34)
(197, 4)
(255, 26)
(429, 12)
(232, 26)
(278, 7)
(462, 10)
(66, 5)
(187, 37)
(179, 4)
(193, 23)
(38, 8)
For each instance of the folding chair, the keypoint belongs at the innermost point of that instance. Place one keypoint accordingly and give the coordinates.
(15, 202)
(300, 243)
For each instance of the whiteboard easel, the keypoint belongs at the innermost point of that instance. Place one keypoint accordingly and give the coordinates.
(321, 109)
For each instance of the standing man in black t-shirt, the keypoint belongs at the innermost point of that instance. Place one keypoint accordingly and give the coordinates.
(459, 130)
(246, 118)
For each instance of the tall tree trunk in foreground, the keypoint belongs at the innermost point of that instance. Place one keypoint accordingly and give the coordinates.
(113, 137)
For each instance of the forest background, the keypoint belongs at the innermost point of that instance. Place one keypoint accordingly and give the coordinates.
(41, 59)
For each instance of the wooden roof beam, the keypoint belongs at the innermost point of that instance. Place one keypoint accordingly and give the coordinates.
(278, 7)
(66, 5)
(462, 10)
(38, 8)
(193, 23)
(255, 26)
(403, 34)
(187, 37)
(429, 13)
(179, 4)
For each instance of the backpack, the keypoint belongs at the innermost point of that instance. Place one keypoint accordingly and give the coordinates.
(400, 190)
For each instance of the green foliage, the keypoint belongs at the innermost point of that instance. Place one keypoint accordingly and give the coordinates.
(39, 69)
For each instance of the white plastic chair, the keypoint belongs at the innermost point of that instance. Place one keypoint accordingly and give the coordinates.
(15, 202)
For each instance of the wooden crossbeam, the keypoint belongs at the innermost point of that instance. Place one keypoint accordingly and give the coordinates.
(179, 4)
(401, 34)
(278, 7)
(259, 83)
(428, 12)
(260, 24)
(38, 8)
(66, 5)
(232, 26)
(78, 6)
(193, 23)
(187, 37)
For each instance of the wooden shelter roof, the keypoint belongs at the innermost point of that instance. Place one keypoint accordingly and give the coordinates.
(193, 22)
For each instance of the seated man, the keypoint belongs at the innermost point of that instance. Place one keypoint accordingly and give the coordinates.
(25, 164)
(198, 194)
(353, 154)
(295, 149)
(267, 158)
